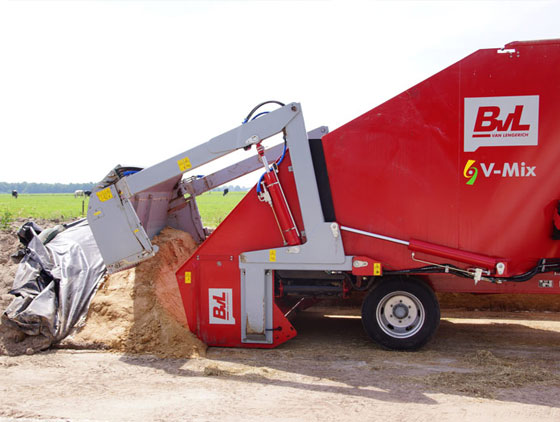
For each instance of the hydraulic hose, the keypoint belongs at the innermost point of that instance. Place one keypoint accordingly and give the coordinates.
(259, 106)
(541, 267)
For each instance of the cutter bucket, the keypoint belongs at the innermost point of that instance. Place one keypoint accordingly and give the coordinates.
(124, 226)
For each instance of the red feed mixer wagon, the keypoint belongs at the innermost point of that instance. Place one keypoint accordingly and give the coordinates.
(451, 186)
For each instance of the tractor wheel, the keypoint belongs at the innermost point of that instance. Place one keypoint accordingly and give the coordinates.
(401, 313)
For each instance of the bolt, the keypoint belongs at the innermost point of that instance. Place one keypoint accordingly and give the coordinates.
(294, 108)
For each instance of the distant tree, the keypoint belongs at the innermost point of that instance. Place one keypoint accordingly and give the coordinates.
(25, 187)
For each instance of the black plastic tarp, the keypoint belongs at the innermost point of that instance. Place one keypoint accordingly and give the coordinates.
(55, 281)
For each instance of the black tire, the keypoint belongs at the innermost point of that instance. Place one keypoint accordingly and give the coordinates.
(401, 313)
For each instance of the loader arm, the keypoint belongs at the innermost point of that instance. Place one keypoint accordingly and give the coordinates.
(128, 208)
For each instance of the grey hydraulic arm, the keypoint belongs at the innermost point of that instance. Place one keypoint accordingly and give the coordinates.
(241, 137)
(118, 231)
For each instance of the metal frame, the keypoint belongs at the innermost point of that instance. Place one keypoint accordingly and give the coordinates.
(124, 217)
(123, 240)
(242, 136)
(323, 249)
(204, 184)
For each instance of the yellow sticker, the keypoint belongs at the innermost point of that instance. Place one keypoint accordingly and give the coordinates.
(187, 277)
(376, 268)
(184, 164)
(96, 213)
(272, 255)
(105, 194)
(136, 231)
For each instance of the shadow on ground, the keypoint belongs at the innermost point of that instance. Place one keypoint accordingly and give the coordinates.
(333, 354)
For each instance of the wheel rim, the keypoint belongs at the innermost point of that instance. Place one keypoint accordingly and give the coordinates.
(400, 314)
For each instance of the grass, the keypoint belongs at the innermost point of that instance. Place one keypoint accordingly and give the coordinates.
(43, 206)
(6, 217)
(213, 207)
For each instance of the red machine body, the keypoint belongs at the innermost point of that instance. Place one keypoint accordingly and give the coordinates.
(465, 161)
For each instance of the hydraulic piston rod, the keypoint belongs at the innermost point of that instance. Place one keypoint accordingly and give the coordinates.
(279, 204)
(441, 251)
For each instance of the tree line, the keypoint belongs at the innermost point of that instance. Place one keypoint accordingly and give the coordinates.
(25, 187)
(232, 188)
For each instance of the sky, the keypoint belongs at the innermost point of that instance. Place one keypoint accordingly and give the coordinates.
(87, 85)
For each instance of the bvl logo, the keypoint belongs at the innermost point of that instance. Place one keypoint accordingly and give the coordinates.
(501, 121)
(220, 306)
(487, 121)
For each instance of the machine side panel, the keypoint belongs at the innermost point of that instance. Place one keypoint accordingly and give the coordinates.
(466, 159)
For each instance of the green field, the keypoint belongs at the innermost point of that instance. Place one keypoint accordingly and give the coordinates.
(213, 207)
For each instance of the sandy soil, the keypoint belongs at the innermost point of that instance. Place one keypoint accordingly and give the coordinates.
(139, 310)
(498, 366)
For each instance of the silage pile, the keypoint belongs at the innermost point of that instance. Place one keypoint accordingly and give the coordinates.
(140, 310)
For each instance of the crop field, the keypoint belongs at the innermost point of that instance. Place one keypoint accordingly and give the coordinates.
(213, 207)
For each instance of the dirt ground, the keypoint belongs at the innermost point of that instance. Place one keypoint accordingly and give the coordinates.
(481, 366)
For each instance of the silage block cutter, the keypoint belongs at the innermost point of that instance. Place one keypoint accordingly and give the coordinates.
(451, 186)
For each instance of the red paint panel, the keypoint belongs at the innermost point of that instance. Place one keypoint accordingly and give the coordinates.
(407, 180)
(215, 265)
